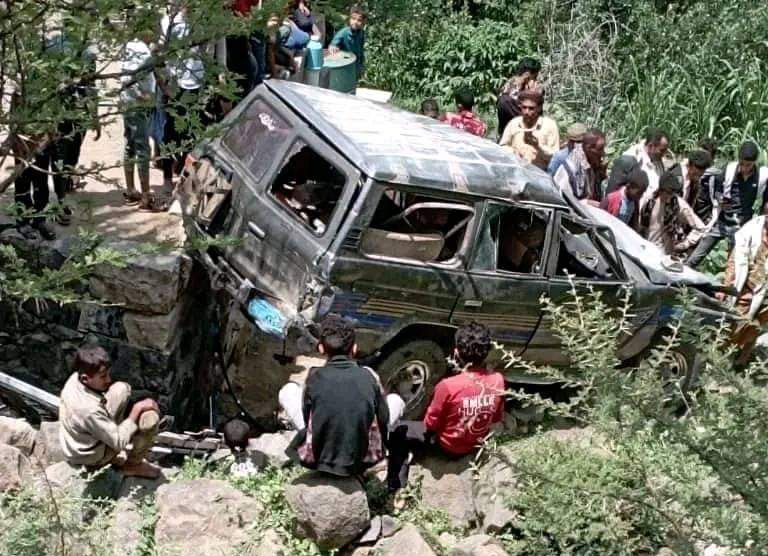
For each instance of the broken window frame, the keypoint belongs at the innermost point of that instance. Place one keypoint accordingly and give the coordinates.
(606, 246)
(482, 242)
(296, 145)
(259, 167)
(437, 201)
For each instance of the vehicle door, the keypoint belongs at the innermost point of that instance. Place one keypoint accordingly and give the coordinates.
(402, 262)
(583, 257)
(288, 204)
(505, 278)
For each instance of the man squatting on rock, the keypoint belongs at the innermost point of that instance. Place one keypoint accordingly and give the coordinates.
(95, 430)
(341, 413)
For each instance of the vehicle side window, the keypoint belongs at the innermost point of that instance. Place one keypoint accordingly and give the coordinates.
(309, 187)
(580, 255)
(417, 227)
(258, 137)
(512, 240)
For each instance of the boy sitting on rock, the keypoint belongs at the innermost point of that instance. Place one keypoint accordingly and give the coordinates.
(461, 412)
(94, 429)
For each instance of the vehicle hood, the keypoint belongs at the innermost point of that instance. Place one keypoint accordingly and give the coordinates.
(661, 268)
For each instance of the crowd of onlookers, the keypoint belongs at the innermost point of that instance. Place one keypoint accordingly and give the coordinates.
(685, 207)
(162, 98)
(345, 418)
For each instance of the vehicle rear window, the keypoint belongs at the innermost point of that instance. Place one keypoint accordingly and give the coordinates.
(417, 227)
(258, 137)
(309, 187)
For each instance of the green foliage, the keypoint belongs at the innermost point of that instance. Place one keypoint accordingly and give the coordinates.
(673, 462)
(268, 487)
(431, 54)
(591, 506)
(37, 525)
(656, 76)
(695, 68)
(148, 513)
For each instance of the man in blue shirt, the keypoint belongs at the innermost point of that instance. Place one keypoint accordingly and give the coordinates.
(575, 135)
(352, 38)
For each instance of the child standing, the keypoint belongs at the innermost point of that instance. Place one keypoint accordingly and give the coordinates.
(465, 119)
(352, 37)
(137, 94)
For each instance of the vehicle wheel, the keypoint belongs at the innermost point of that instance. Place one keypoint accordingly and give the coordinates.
(683, 369)
(412, 370)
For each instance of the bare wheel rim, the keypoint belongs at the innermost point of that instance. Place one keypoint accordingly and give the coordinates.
(678, 369)
(410, 381)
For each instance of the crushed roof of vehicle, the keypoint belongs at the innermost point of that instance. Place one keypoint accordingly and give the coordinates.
(393, 145)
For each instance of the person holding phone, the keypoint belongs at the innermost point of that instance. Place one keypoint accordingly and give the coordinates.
(531, 136)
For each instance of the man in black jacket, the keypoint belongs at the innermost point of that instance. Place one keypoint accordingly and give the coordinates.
(344, 421)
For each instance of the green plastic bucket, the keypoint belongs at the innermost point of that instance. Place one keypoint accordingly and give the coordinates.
(342, 70)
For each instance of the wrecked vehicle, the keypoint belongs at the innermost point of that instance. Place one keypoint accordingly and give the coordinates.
(409, 228)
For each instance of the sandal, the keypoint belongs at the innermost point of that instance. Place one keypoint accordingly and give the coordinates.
(131, 197)
(153, 206)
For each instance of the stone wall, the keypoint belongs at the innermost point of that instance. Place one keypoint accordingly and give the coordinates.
(151, 316)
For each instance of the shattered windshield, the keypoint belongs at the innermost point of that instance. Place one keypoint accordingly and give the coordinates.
(258, 137)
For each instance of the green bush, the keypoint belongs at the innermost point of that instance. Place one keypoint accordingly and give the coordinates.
(426, 56)
(668, 465)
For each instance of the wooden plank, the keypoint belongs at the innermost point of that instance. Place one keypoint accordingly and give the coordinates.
(21, 388)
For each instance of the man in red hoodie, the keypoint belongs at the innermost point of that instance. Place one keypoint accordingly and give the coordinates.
(461, 412)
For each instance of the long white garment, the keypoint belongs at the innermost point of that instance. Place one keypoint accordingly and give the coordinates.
(652, 169)
(136, 86)
(746, 244)
(291, 398)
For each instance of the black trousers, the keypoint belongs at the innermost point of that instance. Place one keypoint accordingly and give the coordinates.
(64, 156)
(184, 101)
(507, 109)
(406, 438)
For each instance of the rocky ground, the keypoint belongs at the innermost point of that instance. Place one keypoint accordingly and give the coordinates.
(451, 507)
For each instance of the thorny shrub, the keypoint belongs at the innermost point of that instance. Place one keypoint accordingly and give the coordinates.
(674, 461)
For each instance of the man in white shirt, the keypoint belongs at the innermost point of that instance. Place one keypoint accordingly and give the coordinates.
(137, 94)
(650, 154)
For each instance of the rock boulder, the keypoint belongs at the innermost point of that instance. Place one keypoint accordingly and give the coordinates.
(269, 449)
(148, 284)
(478, 545)
(447, 485)
(332, 511)
(406, 541)
(77, 482)
(14, 468)
(158, 332)
(17, 433)
(47, 446)
(270, 544)
(201, 517)
(493, 488)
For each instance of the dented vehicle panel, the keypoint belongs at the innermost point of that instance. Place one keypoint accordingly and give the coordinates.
(410, 228)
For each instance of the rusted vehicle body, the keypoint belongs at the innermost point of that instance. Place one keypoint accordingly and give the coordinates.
(409, 228)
